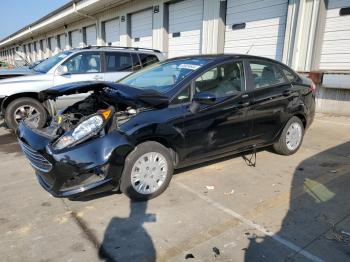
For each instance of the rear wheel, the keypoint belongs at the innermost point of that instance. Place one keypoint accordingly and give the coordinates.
(147, 171)
(291, 137)
(23, 108)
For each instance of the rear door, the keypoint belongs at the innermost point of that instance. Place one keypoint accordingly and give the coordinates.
(120, 64)
(272, 95)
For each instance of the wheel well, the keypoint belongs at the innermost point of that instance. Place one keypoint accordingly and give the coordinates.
(302, 118)
(165, 143)
(20, 95)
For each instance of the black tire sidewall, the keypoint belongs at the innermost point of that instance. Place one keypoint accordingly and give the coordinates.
(146, 147)
(281, 146)
(10, 109)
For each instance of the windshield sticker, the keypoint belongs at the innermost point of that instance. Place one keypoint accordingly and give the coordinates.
(62, 55)
(189, 66)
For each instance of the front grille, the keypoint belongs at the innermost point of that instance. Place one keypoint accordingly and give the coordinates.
(36, 159)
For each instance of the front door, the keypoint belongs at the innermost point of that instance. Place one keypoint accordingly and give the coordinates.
(223, 126)
(85, 66)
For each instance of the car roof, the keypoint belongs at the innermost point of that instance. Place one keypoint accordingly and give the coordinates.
(223, 57)
(117, 48)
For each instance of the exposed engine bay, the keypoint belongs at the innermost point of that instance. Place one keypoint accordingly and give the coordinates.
(70, 117)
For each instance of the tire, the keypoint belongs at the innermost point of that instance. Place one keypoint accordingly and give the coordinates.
(282, 146)
(128, 187)
(24, 102)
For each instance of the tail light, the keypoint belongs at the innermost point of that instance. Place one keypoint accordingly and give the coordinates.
(313, 87)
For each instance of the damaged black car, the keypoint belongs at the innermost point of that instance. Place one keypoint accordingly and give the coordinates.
(131, 135)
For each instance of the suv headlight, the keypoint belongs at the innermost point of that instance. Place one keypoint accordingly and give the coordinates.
(84, 130)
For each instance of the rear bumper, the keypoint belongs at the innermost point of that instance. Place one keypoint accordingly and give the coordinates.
(88, 168)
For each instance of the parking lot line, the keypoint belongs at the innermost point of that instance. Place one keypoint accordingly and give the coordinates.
(250, 223)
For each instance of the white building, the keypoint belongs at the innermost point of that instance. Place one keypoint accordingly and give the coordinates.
(308, 35)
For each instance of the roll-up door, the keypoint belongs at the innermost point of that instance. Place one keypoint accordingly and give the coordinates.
(37, 51)
(75, 39)
(53, 45)
(141, 29)
(335, 53)
(62, 41)
(256, 27)
(112, 32)
(185, 27)
(44, 49)
(90, 35)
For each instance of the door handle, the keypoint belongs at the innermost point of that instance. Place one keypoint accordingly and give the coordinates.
(97, 77)
(287, 93)
(244, 104)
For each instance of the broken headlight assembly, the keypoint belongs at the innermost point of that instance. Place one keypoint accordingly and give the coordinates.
(89, 127)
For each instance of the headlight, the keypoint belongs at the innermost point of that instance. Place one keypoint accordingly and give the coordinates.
(84, 130)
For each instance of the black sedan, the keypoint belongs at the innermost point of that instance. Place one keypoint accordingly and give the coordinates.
(130, 135)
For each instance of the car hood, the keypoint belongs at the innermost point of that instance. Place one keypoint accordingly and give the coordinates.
(117, 92)
(17, 71)
(25, 78)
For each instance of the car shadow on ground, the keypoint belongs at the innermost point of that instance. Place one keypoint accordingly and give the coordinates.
(318, 218)
(126, 239)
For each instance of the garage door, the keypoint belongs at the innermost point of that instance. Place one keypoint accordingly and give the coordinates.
(185, 28)
(44, 47)
(62, 40)
(335, 53)
(75, 39)
(112, 35)
(141, 29)
(53, 45)
(37, 49)
(90, 35)
(256, 26)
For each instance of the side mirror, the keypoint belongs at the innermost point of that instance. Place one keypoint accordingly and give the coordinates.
(61, 70)
(204, 98)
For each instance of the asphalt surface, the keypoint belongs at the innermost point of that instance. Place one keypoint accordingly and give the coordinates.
(292, 208)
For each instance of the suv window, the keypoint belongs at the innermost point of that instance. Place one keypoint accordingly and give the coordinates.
(82, 63)
(118, 61)
(135, 62)
(223, 80)
(147, 59)
(266, 74)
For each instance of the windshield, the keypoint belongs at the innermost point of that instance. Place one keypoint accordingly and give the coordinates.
(162, 77)
(47, 64)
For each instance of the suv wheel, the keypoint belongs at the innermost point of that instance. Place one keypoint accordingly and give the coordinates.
(147, 171)
(291, 137)
(22, 108)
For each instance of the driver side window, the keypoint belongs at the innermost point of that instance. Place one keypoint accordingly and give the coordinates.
(223, 80)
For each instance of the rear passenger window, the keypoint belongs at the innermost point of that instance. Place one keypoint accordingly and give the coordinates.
(117, 62)
(147, 60)
(289, 75)
(266, 74)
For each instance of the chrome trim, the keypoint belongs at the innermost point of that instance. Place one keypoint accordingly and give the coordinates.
(35, 159)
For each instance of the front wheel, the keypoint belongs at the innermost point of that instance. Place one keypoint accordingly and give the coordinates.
(291, 137)
(22, 108)
(147, 171)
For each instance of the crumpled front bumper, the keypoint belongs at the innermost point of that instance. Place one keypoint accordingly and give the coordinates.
(91, 167)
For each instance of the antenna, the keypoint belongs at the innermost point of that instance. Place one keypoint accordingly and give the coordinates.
(250, 48)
